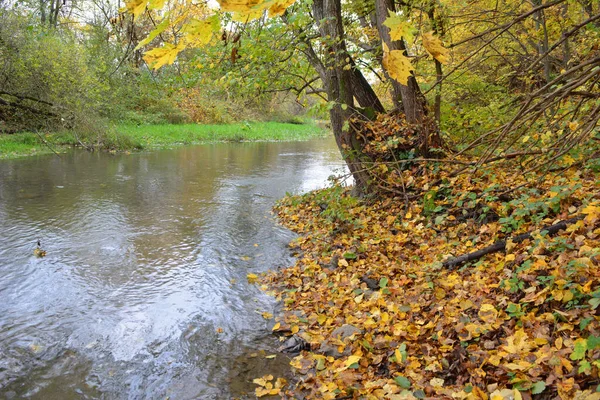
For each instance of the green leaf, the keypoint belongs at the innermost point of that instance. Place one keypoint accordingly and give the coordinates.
(594, 302)
(367, 345)
(584, 367)
(402, 381)
(579, 350)
(349, 255)
(321, 363)
(538, 387)
(419, 394)
(593, 342)
(157, 31)
(383, 282)
(584, 323)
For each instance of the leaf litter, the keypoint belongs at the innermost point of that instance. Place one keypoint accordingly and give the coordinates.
(517, 324)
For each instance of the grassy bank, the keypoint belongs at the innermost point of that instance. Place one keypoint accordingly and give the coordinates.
(157, 136)
(133, 137)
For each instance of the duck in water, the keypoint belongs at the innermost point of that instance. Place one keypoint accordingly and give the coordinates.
(38, 252)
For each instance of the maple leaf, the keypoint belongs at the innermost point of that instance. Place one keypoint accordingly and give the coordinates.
(434, 46)
(591, 211)
(136, 7)
(160, 56)
(156, 4)
(397, 65)
(279, 7)
(247, 16)
(200, 32)
(160, 28)
(399, 27)
(240, 6)
(267, 315)
(518, 343)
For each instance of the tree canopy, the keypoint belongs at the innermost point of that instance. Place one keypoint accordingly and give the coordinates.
(528, 71)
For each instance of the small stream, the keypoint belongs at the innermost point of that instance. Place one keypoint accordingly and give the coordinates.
(147, 257)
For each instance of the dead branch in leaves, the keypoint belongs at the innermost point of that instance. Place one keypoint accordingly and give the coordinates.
(501, 245)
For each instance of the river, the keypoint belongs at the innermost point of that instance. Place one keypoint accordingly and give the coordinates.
(143, 292)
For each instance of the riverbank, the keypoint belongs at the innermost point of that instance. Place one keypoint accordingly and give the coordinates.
(385, 317)
(126, 137)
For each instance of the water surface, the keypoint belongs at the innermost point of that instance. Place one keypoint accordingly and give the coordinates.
(147, 257)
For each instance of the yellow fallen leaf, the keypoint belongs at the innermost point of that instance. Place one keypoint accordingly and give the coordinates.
(352, 360)
(267, 315)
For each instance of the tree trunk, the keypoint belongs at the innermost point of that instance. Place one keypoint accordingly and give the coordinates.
(413, 101)
(43, 11)
(338, 84)
(364, 93)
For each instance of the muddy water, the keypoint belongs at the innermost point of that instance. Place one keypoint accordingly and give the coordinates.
(147, 257)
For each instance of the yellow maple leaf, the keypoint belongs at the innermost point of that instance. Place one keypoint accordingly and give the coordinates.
(200, 32)
(252, 278)
(399, 27)
(488, 313)
(279, 7)
(591, 211)
(434, 46)
(136, 7)
(247, 16)
(156, 4)
(160, 56)
(518, 343)
(240, 6)
(351, 360)
(157, 31)
(397, 65)
(267, 315)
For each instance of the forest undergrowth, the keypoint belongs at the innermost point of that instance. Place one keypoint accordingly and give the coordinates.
(379, 309)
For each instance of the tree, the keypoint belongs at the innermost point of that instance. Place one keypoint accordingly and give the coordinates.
(332, 39)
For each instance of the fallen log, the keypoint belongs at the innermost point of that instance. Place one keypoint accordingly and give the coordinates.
(501, 245)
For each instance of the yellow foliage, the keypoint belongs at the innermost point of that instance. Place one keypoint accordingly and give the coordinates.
(200, 32)
(156, 4)
(157, 31)
(397, 65)
(240, 6)
(434, 46)
(136, 7)
(399, 27)
(160, 56)
(279, 7)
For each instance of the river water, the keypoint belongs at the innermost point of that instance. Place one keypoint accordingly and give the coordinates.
(147, 257)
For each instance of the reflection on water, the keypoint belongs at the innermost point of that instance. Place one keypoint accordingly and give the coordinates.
(147, 257)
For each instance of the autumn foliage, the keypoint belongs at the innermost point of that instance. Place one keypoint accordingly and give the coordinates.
(517, 324)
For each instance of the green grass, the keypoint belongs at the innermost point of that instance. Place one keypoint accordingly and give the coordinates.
(154, 136)
(24, 144)
(133, 137)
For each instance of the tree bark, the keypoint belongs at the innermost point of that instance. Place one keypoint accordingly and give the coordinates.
(501, 245)
(338, 84)
(413, 101)
(364, 93)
